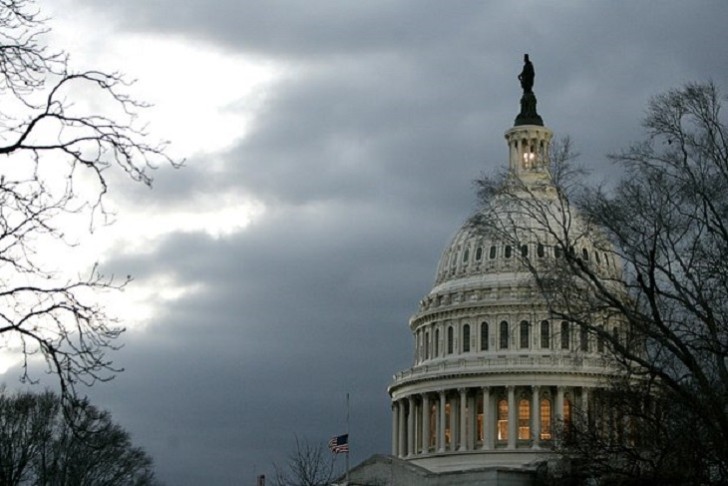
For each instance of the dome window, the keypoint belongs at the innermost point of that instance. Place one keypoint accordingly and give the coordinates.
(508, 251)
(525, 332)
(484, 336)
(450, 339)
(492, 252)
(545, 335)
(524, 419)
(466, 338)
(437, 343)
(545, 419)
(504, 335)
(502, 420)
(540, 251)
(479, 254)
(585, 254)
(565, 335)
(466, 255)
(524, 251)
(557, 251)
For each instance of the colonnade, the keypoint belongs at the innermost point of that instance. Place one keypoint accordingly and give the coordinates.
(482, 418)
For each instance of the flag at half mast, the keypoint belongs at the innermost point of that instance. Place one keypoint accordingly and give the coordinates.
(339, 444)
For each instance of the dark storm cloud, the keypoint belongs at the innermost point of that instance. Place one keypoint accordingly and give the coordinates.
(363, 156)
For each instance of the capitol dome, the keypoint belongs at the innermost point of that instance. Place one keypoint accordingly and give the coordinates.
(495, 375)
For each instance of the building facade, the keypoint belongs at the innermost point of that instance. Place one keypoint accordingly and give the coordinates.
(494, 375)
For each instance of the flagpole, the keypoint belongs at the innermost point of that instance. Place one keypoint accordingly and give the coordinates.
(348, 439)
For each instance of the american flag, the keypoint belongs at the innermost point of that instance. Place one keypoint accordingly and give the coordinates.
(339, 444)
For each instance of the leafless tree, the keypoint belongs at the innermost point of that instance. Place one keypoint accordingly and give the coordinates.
(38, 445)
(55, 154)
(644, 267)
(309, 465)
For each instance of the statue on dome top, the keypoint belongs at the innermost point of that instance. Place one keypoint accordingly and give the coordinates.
(528, 114)
(527, 75)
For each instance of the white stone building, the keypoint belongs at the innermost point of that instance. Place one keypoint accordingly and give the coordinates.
(494, 375)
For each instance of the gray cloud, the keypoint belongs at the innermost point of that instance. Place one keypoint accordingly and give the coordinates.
(364, 157)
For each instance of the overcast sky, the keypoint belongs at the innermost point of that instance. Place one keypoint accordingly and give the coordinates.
(330, 151)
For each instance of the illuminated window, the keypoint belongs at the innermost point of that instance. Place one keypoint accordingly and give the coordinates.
(466, 338)
(545, 335)
(480, 432)
(567, 415)
(565, 335)
(484, 336)
(433, 425)
(545, 419)
(450, 339)
(448, 430)
(525, 328)
(524, 419)
(504, 335)
(502, 420)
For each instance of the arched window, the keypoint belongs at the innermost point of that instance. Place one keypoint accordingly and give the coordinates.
(427, 345)
(584, 339)
(466, 255)
(466, 338)
(508, 251)
(567, 415)
(557, 252)
(585, 254)
(565, 335)
(450, 339)
(484, 336)
(492, 252)
(525, 328)
(437, 343)
(504, 335)
(524, 419)
(524, 251)
(545, 419)
(479, 254)
(540, 251)
(545, 335)
(502, 420)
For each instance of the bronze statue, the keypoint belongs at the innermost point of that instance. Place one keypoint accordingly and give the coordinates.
(527, 75)
(528, 114)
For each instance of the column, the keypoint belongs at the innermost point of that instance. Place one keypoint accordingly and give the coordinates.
(487, 422)
(585, 403)
(559, 406)
(441, 424)
(463, 420)
(559, 413)
(395, 428)
(402, 430)
(472, 420)
(425, 423)
(410, 446)
(535, 416)
(512, 417)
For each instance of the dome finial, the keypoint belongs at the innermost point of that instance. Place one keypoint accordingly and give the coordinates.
(528, 114)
